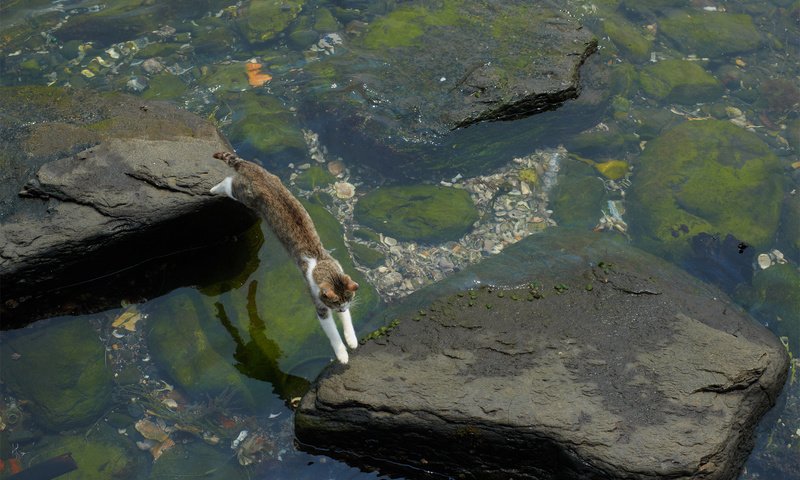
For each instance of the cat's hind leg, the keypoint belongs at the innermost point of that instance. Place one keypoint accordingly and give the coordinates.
(224, 187)
(329, 327)
(349, 332)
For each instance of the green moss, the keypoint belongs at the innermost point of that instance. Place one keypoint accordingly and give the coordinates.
(61, 371)
(267, 18)
(197, 460)
(679, 81)
(264, 123)
(706, 176)
(423, 212)
(711, 34)
(579, 196)
(628, 38)
(777, 300)
(529, 176)
(315, 176)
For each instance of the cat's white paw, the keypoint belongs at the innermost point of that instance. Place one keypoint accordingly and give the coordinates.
(341, 355)
(350, 338)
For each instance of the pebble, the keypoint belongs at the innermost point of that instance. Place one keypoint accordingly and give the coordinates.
(344, 190)
(336, 168)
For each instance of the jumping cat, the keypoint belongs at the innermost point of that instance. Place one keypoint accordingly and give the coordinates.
(330, 288)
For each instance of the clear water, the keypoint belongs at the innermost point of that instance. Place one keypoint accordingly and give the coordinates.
(265, 343)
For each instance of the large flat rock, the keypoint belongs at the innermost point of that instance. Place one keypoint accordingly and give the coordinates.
(595, 360)
(98, 184)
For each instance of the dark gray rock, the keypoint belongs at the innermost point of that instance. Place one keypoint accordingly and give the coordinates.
(139, 191)
(596, 361)
(427, 68)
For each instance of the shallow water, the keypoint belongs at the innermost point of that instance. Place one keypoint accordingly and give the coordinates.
(204, 363)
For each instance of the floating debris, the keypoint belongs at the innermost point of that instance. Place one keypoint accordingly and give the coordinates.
(128, 319)
(255, 77)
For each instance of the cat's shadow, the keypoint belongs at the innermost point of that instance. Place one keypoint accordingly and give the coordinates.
(258, 357)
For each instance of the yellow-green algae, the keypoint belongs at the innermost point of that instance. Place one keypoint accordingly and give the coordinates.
(706, 176)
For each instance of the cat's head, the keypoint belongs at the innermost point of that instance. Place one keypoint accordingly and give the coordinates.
(337, 291)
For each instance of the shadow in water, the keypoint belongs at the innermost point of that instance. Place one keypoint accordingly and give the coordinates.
(258, 357)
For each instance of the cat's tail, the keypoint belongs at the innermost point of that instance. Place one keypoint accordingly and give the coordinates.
(230, 158)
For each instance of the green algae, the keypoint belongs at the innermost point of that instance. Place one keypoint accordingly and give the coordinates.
(711, 34)
(230, 77)
(179, 340)
(628, 38)
(406, 25)
(264, 123)
(420, 212)
(579, 196)
(265, 19)
(313, 177)
(679, 81)
(197, 460)
(775, 299)
(61, 371)
(165, 86)
(706, 176)
(366, 256)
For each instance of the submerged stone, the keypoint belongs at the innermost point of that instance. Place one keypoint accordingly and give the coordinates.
(99, 456)
(265, 125)
(444, 66)
(679, 81)
(711, 34)
(607, 363)
(424, 213)
(705, 176)
(628, 38)
(60, 371)
(264, 19)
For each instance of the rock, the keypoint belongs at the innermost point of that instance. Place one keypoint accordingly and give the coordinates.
(705, 176)
(610, 364)
(679, 81)
(69, 352)
(711, 34)
(101, 456)
(266, 128)
(419, 212)
(444, 67)
(627, 37)
(139, 191)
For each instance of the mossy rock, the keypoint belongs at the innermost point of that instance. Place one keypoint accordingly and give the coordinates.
(706, 177)
(628, 38)
(178, 338)
(267, 18)
(264, 123)
(579, 196)
(165, 86)
(324, 21)
(61, 371)
(775, 300)
(315, 176)
(98, 456)
(197, 460)
(366, 256)
(711, 34)
(405, 26)
(679, 81)
(424, 213)
(230, 77)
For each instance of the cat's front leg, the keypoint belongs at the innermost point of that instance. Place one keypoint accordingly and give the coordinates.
(325, 318)
(349, 331)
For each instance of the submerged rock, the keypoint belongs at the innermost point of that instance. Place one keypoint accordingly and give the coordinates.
(711, 34)
(70, 352)
(606, 363)
(679, 81)
(427, 68)
(419, 212)
(706, 177)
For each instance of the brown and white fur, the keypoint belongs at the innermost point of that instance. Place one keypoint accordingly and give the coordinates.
(330, 288)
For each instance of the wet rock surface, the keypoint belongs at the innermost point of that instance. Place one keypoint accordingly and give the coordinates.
(104, 183)
(596, 360)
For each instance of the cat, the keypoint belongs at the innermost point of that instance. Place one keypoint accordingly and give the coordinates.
(330, 288)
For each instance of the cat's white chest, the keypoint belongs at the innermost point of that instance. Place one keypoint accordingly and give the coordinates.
(311, 264)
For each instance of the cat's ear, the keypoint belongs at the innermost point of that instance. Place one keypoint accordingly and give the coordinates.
(349, 284)
(326, 289)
